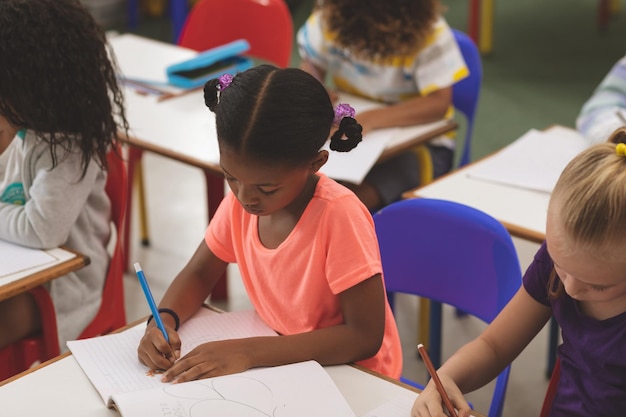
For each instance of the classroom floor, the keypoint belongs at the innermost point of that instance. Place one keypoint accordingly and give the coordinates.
(548, 57)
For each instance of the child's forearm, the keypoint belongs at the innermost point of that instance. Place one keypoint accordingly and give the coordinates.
(472, 366)
(328, 346)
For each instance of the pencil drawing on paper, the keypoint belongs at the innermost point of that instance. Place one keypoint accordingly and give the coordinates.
(231, 396)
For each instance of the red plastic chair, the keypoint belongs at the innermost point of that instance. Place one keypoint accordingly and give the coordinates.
(268, 28)
(551, 392)
(25, 353)
(112, 313)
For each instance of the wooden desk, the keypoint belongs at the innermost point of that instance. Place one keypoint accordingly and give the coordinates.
(67, 261)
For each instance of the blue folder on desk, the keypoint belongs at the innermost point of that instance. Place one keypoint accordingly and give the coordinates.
(210, 64)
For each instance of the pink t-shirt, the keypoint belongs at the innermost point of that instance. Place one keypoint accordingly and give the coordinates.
(295, 287)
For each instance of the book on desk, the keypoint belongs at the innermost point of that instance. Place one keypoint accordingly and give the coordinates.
(110, 362)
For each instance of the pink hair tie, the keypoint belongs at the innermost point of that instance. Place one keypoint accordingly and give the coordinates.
(343, 110)
(224, 81)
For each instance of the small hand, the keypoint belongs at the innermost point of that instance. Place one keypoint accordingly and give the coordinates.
(430, 404)
(155, 352)
(210, 360)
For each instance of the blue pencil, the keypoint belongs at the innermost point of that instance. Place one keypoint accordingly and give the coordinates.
(150, 299)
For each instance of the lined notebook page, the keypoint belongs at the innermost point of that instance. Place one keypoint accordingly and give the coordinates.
(110, 362)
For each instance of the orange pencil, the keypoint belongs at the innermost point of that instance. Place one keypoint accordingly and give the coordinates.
(433, 374)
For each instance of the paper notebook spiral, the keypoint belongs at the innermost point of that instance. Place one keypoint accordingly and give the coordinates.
(210, 64)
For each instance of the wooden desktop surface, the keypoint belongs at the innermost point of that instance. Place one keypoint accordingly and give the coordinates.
(43, 276)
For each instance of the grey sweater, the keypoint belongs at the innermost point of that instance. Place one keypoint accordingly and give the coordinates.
(44, 208)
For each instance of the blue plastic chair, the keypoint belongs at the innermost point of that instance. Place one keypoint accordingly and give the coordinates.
(465, 93)
(453, 254)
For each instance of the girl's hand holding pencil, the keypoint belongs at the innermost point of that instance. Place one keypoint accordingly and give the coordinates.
(441, 393)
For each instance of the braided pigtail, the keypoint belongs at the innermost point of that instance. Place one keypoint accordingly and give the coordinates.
(352, 130)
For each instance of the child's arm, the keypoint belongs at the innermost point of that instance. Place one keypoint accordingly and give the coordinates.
(481, 360)
(359, 337)
(422, 109)
(185, 295)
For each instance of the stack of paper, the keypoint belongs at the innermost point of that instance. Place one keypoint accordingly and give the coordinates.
(534, 161)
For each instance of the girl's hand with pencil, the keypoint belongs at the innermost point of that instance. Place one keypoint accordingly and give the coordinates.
(154, 351)
(213, 359)
(430, 403)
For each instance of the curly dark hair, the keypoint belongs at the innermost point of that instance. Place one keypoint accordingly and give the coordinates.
(274, 114)
(379, 29)
(56, 77)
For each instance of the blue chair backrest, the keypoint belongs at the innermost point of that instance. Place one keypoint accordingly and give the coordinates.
(466, 92)
(453, 254)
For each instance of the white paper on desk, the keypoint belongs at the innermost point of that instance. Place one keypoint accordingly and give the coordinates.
(301, 389)
(398, 407)
(110, 362)
(145, 60)
(353, 166)
(16, 258)
(534, 161)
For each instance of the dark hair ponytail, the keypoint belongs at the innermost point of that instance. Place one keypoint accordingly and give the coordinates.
(276, 114)
(352, 130)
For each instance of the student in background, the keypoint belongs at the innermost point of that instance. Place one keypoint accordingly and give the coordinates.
(304, 244)
(605, 110)
(579, 276)
(398, 52)
(59, 101)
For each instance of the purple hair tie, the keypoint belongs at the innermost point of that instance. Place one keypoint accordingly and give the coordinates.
(224, 81)
(343, 110)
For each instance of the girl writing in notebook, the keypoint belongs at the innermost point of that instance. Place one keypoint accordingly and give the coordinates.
(399, 52)
(579, 276)
(305, 245)
(59, 100)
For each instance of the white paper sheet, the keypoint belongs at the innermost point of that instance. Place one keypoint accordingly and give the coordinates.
(302, 389)
(111, 363)
(353, 166)
(534, 161)
(15, 258)
(397, 407)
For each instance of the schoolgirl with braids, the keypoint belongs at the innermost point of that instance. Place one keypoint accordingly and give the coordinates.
(579, 276)
(305, 245)
(398, 52)
(60, 112)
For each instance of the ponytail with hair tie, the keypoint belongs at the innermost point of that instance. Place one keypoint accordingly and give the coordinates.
(348, 126)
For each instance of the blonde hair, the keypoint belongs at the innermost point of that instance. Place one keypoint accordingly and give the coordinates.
(591, 197)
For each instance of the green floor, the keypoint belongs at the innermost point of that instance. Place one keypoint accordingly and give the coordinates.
(547, 58)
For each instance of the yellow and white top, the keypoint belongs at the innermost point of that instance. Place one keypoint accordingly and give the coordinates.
(437, 64)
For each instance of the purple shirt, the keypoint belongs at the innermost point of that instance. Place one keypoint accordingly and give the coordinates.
(593, 352)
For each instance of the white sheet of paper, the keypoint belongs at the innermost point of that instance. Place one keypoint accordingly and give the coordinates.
(301, 389)
(534, 161)
(15, 258)
(144, 59)
(397, 407)
(353, 166)
(110, 362)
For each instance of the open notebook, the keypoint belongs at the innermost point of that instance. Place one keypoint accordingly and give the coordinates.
(110, 362)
